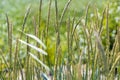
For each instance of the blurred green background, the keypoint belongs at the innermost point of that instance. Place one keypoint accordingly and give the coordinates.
(16, 10)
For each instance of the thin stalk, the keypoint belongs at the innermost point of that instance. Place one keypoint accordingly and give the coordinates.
(48, 20)
(107, 28)
(107, 35)
(74, 28)
(38, 31)
(21, 71)
(96, 18)
(78, 73)
(28, 76)
(25, 20)
(73, 21)
(56, 15)
(64, 10)
(69, 55)
(35, 26)
(42, 38)
(1, 53)
(23, 28)
(15, 60)
(113, 52)
(18, 60)
(119, 38)
(39, 18)
(40, 11)
(87, 37)
(9, 43)
(102, 52)
(57, 41)
(101, 23)
(47, 28)
(86, 15)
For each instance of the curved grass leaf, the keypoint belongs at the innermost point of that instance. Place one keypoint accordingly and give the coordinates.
(37, 39)
(34, 57)
(33, 47)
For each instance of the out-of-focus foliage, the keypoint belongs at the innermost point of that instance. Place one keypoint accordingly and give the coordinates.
(16, 10)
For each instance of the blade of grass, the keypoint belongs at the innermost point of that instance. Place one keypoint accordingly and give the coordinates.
(69, 56)
(15, 61)
(9, 43)
(37, 39)
(18, 61)
(25, 19)
(119, 38)
(48, 20)
(34, 47)
(57, 41)
(101, 23)
(76, 26)
(35, 26)
(4, 58)
(101, 50)
(39, 19)
(64, 10)
(114, 64)
(85, 28)
(86, 15)
(34, 57)
(107, 28)
(28, 73)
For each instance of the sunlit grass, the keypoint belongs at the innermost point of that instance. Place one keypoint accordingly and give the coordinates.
(67, 47)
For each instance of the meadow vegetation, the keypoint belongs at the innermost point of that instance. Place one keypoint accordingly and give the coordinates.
(59, 40)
